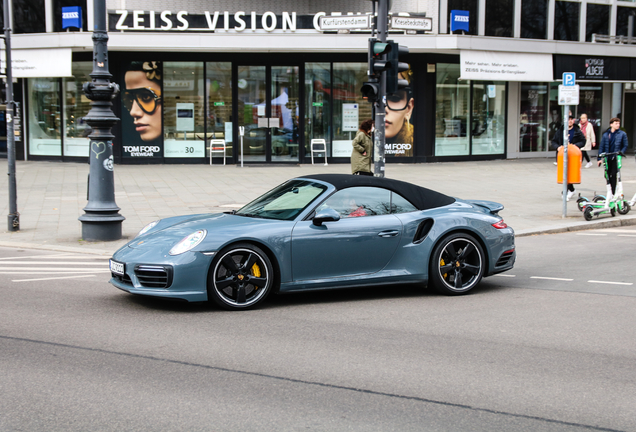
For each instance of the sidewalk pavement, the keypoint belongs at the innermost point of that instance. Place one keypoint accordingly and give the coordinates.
(51, 195)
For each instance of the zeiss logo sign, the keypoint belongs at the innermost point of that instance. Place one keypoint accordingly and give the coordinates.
(72, 17)
(460, 20)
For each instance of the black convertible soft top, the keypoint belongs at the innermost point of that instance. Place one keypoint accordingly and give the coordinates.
(420, 197)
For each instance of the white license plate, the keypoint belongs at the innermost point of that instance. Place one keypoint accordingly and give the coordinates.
(117, 267)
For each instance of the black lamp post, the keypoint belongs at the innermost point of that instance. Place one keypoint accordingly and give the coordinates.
(101, 221)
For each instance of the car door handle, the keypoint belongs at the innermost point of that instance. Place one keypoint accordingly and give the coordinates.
(391, 233)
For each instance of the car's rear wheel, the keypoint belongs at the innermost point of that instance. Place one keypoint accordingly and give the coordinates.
(240, 277)
(457, 264)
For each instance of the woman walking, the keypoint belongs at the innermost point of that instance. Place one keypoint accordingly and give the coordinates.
(590, 138)
(361, 153)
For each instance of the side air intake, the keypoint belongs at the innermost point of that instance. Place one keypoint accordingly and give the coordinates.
(422, 230)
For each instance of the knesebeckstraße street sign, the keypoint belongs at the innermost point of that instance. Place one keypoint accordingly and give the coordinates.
(411, 23)
(342, 22)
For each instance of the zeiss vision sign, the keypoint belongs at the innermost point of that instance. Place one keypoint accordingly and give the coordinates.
(72, 17)
(460, 20)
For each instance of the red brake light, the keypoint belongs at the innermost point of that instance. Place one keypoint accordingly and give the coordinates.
(500, 225)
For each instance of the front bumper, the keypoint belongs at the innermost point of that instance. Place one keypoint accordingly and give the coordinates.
(182, 277)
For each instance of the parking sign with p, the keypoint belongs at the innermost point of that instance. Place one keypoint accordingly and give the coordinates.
(569, 79)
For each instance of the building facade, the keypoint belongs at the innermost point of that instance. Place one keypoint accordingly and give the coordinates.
(261, 80)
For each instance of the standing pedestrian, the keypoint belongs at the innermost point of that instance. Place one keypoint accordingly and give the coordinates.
(614, 141)
(590, 138)
(362, 147)
(574, 137)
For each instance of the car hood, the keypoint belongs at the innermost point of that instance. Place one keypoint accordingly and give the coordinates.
(219, 226)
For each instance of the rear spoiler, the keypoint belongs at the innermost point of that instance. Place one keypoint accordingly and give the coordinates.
(491, 206)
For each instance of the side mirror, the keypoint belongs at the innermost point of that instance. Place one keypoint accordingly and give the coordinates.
(326, 215)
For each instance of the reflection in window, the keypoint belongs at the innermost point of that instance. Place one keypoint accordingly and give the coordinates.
(488, 119)
(466, 5)
(285, 201)
(76, 107)
(597, 21)
(183, 110)
(623, 15)
(399, 204)
(318, 105)
(349, 109)
(44, 117)
(566, 20)
(451, 112)
(499, 17)
(359, 201)
(29, 16)
(534, 19)
(218, 92)
(532, 124)
(285, 107)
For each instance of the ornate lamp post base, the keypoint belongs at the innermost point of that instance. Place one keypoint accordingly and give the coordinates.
(101, 226)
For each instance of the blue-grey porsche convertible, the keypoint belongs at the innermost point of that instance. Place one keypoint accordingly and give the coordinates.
(319, 232)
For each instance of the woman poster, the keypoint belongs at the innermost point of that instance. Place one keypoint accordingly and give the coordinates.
(397, 121)
(142, 119)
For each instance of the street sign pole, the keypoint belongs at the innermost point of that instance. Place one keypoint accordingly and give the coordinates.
(13, 218)
(566, 134)
(380, 109)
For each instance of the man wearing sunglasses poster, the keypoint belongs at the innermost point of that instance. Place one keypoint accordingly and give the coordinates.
(398, 128)
(143, 103)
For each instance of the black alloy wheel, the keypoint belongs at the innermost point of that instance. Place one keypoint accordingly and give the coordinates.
(457, 265)
(240, 277)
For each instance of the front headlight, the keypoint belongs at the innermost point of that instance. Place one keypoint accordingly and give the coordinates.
(188, 242)
(147, 228)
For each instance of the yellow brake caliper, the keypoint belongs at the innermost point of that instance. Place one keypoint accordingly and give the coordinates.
(441, 264)
(256, 271)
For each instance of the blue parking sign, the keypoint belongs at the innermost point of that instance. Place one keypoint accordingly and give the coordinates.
(569, 79)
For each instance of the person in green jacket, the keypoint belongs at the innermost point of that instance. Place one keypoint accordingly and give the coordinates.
(362, 148)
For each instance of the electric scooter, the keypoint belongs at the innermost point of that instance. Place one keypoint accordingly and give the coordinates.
(611, 203)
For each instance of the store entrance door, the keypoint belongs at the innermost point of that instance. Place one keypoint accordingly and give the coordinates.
(269, 109)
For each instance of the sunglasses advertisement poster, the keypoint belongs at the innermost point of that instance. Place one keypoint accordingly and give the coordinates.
(142, 110)
(398, 126)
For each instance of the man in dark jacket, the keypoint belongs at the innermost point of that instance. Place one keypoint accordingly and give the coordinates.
(614, 141)
(576, 137)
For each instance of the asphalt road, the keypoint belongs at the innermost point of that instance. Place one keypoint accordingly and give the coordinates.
(547, 347)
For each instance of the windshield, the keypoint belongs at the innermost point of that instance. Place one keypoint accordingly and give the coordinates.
(284, 202)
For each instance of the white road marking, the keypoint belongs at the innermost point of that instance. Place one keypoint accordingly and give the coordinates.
(505, 275)
(57, 256)
(551, 278)
(232, 205)
(590, 234)
(51, 278)
(611, 283)
(618, 230)
(626, 235)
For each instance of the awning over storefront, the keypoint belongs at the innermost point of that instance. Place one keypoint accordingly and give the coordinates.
(505, 66)
(40, 63)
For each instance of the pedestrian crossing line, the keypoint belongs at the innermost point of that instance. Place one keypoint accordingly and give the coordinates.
(627, 235)
(53, 278)
(590, 234)
(57, 256)
(611, 283)
(505, 275)
(551, 278)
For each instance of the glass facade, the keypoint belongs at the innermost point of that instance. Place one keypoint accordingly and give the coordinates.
(76, 106)
(623, 15)
(488, 125)
(318, 104)
(533, 122)
(57, 14)
(597, 21)
(29, 16)
(499, 17)
(218, 93)
(566, 20)
(534, 19)
(451, 112)
(44, 117)
(183, 110)
(349, 109)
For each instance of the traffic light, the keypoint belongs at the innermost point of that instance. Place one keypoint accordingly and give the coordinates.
(377, 64)
(393, 80)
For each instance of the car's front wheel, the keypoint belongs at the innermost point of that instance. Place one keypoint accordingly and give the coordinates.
(240, 277)
(457, 264)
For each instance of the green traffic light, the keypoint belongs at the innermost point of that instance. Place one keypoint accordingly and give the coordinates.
(380, 48)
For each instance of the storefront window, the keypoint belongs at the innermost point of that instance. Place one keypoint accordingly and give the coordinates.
(623, 15)
(451, 112)
(488, 119)
(566, 20)
(318, 105)
(76, 107)
(285, 106)
(142, 110)
(57, 14)
(499, 17)
(532, 124)
(28, 16)
(184, 110)
(349, 109)
(465, 5)
(44, 117)
(597, 21)
(219, 96)
(534, 19)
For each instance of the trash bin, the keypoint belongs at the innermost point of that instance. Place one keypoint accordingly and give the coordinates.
(574, 164)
